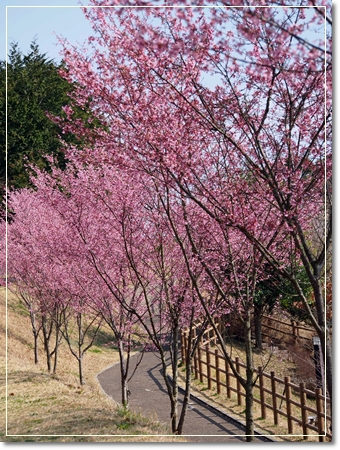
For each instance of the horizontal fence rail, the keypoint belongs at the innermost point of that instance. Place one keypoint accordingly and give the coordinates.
(286, 331)
(278, 398)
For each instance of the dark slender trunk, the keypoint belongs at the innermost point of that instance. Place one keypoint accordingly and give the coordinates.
(324, 335)
(258, 326)
(56, 348)
(170, 388)
(36, 335)
(249, 380)
(326, 347)
(123, 375)
(249, 411)
(80, 367)
(80, 343)
(46, 336)
(329, 372)
(193, 343)
(174, 400)
(186, 394)
(36, 352)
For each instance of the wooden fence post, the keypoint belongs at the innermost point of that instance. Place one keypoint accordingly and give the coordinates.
(196, 365)
(262, 394)
(207, 352)
(200, 364)
(274, 398)
(303, 401)
(288, 390)
(320, 411)
(227, 378)
(217, 365)
(293, 330)
(297, 329)
(197, 368)
(238, 384)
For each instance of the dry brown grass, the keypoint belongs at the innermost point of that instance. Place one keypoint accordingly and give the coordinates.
(55, 408)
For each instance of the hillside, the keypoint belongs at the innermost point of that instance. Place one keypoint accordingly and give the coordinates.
(43, 404)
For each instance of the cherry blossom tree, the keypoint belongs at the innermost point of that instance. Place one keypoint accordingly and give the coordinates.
(99, 273)
(232, 268)
(169, 296)
(257, 137)
(141, 278)
(33, 271)
(212, 161)
(81, 336)
(45, 278)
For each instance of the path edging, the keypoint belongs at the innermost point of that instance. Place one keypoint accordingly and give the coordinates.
(198, 398)
(107, 395)
(223, 413)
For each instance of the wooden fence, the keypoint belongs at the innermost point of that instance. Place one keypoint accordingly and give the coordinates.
(276, 331)
(297, 405)
(286, 332)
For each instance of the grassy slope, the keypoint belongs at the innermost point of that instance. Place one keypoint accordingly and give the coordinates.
(42, 404)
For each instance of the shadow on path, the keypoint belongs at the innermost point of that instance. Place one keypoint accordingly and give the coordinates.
(149, 395)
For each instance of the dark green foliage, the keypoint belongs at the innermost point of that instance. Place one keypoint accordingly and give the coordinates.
(35, 90)
(275, 289)
(291, 302)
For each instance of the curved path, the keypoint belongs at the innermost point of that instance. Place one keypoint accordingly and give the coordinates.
(148, 394)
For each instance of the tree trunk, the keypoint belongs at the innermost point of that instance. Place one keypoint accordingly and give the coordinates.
(186, 394)
(249, 410)
(328, 360)
(123, 375)
(36, 352)
(174, 402)
(80, 343)
(249, 379)
(80, 367)
(324, 335)
(258, 326)
(36, 335)
(46, 344)
(326, 347)
(56, 348)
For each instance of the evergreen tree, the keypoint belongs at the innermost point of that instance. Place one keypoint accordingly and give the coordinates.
(34, 88)
(35, 93)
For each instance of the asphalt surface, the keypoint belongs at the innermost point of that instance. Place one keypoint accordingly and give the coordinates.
(149, 396)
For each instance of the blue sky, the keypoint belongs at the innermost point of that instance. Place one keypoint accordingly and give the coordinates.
(27, 19)
(24, 23)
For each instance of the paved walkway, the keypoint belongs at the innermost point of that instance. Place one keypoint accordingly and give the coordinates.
(148, 395)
